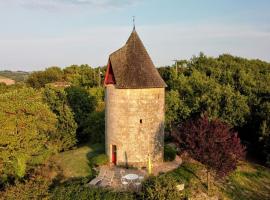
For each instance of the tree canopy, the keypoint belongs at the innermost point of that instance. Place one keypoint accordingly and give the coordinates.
(25, 126)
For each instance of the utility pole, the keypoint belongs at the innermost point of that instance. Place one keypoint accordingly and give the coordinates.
(99, 76)
(176, 65)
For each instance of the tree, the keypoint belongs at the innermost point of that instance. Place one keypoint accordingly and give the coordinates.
(25, 125)
(176, 109)
(94, 127)
(41, 78)
(65, 135)
(212, 143)
(82, 105)
(84, 75)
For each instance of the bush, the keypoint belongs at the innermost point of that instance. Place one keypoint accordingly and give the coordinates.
(35, 188)
(77, 189)
(100, 159)
(169, 153)
(161, 188)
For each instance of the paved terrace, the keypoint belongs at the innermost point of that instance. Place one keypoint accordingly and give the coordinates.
(110, 176)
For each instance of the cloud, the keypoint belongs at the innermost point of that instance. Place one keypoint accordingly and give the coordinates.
(63, 4)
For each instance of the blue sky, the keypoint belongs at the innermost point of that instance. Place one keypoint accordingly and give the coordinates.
(35, 34)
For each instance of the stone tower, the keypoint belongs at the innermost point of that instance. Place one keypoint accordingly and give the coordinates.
(134, 116)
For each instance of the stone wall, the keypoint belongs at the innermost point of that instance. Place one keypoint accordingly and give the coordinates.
(135, 124)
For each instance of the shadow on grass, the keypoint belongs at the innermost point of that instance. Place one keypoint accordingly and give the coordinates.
(249, 185)
(97, 149)
(186, 172)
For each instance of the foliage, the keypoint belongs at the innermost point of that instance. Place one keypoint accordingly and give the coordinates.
(234, 89)
(94, 127)
(35, 188)
(175, 109)
(78, 189)
(82, 105)
(100, 159)
(98, 93)
(41, 78)
(211, 143)
(26, 123)
(169, 153)
(84, 75)
(65, 135)
(161, 188)
(199, 94)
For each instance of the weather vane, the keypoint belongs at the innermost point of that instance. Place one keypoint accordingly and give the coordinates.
(133, 19)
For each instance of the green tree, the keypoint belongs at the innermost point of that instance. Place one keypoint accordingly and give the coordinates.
(65, 135)
(176, 109)
(94, 127)
(82, 104)
(231, 88)
(84, 75)
(25, 125)
(41, 78)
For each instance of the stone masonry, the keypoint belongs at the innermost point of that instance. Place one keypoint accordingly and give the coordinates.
(135, 124)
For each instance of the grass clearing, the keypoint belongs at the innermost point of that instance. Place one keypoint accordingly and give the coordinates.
(76, 163)
(249, 182)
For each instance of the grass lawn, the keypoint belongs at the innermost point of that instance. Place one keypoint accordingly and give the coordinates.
(248, 182)
(75, 163)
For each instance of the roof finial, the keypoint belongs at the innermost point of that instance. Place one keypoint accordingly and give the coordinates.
(133, 19)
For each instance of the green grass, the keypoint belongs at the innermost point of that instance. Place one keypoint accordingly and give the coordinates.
(185, 172)
(249, 181)
(75, 163)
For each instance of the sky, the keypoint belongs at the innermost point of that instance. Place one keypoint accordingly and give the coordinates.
(36, 34)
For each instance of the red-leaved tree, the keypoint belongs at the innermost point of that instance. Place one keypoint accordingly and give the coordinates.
(211, 142)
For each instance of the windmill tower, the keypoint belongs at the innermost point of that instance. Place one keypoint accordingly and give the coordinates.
(134, 115)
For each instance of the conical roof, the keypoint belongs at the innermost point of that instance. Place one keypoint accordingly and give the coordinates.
(132, 66)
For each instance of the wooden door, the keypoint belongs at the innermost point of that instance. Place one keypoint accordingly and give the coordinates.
(114, 154)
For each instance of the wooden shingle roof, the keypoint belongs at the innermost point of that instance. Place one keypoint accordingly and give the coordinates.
(132, 66)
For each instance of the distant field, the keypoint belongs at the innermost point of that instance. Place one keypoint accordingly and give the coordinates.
(17, 75)
(6, 80)
(75, 163)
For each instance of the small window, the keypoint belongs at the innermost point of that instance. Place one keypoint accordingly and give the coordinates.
(140, 121)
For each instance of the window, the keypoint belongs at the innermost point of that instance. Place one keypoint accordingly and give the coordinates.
(140, 121)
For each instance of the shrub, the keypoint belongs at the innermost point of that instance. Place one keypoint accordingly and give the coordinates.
(35, 188)
(100, 159)
(169, 153)
(211, 142)
(161, 188)
(77, 189)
